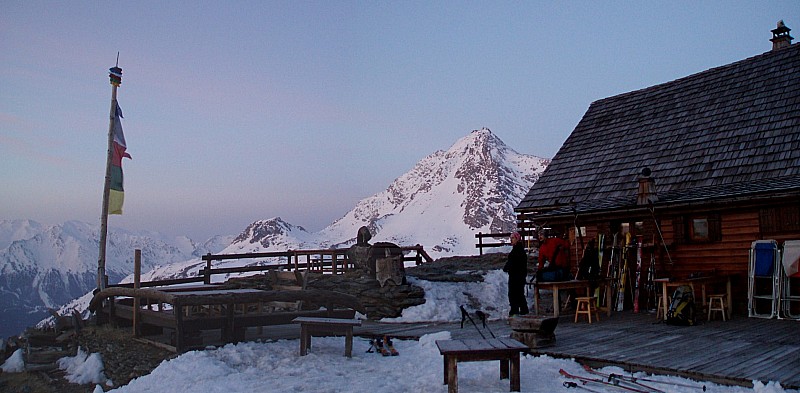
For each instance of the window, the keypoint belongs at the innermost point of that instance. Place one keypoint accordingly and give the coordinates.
(698, 230)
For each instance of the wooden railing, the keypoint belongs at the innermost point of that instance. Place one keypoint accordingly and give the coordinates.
(503, 235)
(332, 261)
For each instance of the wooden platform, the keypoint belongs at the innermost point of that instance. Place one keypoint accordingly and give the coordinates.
(734, 352)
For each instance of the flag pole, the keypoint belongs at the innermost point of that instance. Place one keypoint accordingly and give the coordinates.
(115, 75)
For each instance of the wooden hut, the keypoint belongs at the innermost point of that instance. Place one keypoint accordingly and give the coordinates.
(711, 161)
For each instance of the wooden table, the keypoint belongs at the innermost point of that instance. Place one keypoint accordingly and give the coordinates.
(505, 350)
(326, 327)
(666, 283)
(556, 286)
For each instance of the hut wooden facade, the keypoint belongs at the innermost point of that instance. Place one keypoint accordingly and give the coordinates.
(712, 161)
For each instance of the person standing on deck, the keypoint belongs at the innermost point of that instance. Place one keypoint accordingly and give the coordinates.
(553, 259)
(517, 269)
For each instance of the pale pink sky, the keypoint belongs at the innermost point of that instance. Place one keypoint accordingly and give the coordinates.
(245, 110)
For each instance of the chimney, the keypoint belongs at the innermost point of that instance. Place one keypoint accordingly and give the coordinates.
(780, 36)
(647, 189)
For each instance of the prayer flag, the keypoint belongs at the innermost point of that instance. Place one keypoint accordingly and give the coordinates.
(116, 195)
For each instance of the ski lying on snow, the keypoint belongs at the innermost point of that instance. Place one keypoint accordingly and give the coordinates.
(636, 380)
(620, 378)
(615, 384)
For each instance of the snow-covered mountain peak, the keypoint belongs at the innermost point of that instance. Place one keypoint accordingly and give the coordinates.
(476, 143)
(13, 230)
(445, 198)
(273, 234)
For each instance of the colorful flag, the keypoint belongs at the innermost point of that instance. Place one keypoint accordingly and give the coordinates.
(116, 194)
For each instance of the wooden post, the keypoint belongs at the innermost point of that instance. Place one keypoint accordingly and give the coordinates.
(207, 271)
(137, 272)
(480, 243)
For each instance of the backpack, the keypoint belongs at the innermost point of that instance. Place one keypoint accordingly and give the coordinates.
(681, 309)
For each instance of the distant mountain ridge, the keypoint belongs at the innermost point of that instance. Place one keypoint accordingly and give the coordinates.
(47, 266)
(441, 203)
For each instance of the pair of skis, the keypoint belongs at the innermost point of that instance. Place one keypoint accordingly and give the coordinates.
(600, 249)
(585, 380)
(627, 383)
(638, 245)
(382, 345)
(623, 273)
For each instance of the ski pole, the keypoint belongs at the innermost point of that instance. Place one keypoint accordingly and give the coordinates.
(482, 316)
(465, 315)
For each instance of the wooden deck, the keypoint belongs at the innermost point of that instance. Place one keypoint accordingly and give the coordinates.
(735, 352)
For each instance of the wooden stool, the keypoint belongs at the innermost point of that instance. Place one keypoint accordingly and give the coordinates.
(660, 307)
(586, 305)
(716, 303)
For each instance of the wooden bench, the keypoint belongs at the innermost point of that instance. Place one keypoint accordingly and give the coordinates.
(505, 350)
(326, 327)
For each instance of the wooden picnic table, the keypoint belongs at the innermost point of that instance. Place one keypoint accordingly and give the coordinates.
(505, 350)
(557, 286)
(312, 326)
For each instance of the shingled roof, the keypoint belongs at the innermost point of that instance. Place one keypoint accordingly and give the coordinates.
(728, 132)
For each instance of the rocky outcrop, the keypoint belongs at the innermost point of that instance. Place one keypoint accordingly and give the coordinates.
(390, 301)
(379, 302)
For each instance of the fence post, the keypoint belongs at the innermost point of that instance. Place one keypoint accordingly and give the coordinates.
(480, 243)
(137, 272)
(207, 270)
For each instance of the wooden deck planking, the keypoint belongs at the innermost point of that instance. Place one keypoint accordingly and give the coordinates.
(732, 352)
(723, 355)
(780, 365)
(762, 366)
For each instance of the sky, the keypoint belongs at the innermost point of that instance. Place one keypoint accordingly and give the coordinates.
(275, 366)
(240, 111)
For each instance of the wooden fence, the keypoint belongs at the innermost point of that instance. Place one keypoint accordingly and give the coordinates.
(503, 235)
(331, 261)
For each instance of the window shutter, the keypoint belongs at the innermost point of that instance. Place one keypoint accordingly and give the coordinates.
(678, 230)
(714, 228)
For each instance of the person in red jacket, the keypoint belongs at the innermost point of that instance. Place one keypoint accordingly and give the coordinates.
(553, 259)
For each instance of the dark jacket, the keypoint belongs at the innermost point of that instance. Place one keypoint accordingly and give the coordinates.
(589, 267)
(517, 264)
